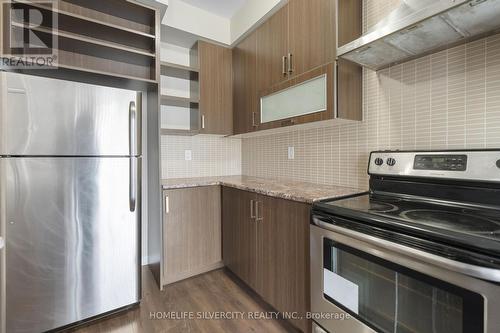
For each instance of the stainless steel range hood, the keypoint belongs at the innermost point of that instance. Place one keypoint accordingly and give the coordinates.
(420, 27)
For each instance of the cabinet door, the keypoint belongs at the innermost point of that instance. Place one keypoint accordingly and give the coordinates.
(350, 90)
(283, 255)
(216, 89)
(349, 20)
(272, 46)
(192, 232)
(239, 234)
(312, 34)
(297, 99)
(244, 85)
(350, 75)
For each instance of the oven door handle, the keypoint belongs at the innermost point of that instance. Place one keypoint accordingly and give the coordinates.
(484, 273)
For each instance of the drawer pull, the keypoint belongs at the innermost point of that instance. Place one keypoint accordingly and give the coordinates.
(252, 213)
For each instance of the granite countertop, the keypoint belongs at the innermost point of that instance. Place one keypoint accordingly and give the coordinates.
(285, 189)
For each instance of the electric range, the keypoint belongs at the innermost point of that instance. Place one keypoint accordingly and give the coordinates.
(418, 252)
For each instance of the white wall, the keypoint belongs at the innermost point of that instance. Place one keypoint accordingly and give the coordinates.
(252, 14)
(206, 25)
(211, 156)
(197, 21)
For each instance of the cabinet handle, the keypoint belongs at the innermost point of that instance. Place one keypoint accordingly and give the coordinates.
(253, 120)
(290, 63)
(283, 63)
(252, 215)
(288, 122)
(258, 212)
(202, 121)
(167, 205)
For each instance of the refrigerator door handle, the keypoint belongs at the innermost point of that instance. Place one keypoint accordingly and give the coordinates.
(133, 153)
(133, 183)
(133, 129)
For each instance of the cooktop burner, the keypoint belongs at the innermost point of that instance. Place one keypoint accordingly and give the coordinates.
(424, 215)
(382, 207)
(460, 221)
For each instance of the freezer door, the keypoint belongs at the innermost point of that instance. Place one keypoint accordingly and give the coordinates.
(72, 239)
(49, 117)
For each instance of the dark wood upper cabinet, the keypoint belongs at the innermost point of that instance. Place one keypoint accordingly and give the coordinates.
(311, 34)
(216, 89)
(272, 50)
(328, 113)
(245, 108)
(297, 44)
(298, 38)
(349, 22)
(349, 90)
(349, 75)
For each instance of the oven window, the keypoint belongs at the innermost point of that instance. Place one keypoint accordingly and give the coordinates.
(391, 298)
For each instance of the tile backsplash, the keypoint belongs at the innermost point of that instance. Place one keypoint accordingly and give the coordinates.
(211, 156)
(447, 100)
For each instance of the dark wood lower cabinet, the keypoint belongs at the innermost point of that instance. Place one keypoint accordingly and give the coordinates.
(239, 235)
(266, 244)
(283, 255)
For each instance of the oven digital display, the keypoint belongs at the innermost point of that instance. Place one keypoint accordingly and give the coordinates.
(441, 162)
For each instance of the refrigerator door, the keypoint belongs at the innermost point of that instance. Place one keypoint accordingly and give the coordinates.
(49, 117)
(72, 239)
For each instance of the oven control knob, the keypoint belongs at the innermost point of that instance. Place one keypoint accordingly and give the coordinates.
(379, 161)
(391, 161)
(498, 164)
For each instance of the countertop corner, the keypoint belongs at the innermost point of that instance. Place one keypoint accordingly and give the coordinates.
(280, 188)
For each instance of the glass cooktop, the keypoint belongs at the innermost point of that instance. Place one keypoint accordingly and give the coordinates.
(435, 215)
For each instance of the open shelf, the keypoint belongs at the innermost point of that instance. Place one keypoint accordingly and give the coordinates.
(93, 29)
(179, 71)
(76, 61)
(179, 116)
(100, 72)
(82, 10)
(180, 67)
(84, 75)
(118, 60)
(185, 102)
(180, 132)
(85, 39)
(112, 37)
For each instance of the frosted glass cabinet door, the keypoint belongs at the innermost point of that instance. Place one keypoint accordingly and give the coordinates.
(304, 98)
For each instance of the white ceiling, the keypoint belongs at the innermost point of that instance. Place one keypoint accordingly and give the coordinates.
(224, 8)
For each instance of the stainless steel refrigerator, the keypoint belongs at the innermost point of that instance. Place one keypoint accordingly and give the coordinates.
(70, 202)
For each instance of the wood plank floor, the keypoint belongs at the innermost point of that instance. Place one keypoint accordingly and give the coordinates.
(217, 291)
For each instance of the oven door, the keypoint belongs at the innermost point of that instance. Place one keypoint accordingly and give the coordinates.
(360, 285)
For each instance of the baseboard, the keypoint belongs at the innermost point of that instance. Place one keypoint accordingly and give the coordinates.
(186, 275)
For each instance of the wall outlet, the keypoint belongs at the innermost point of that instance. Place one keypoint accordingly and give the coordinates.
(188, 155)
(291, 153)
